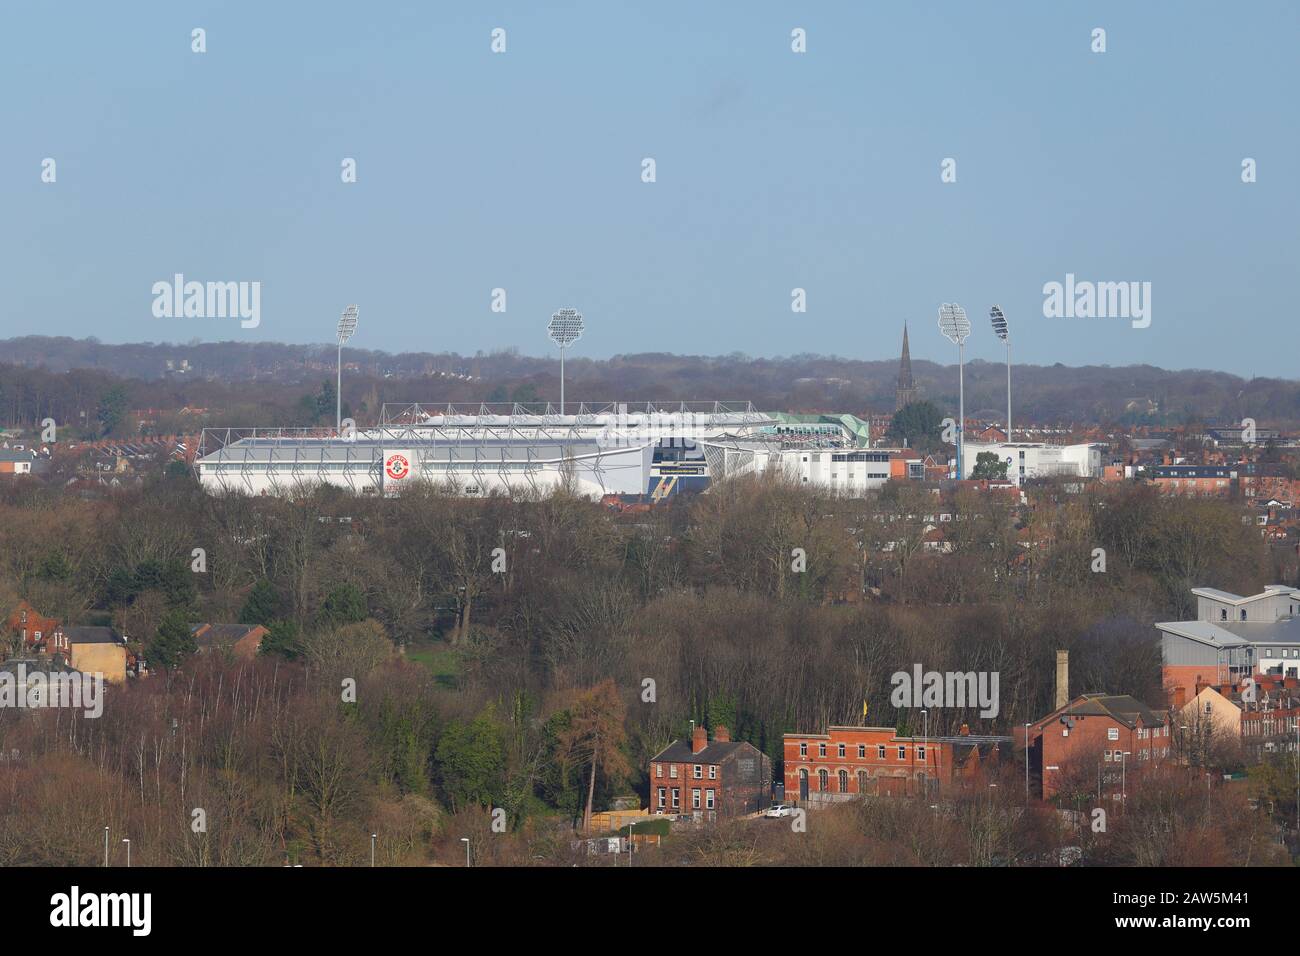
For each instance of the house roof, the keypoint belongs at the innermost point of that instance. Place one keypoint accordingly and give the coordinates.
(92, 635)
(679, 751)
(32, 664)
(1122, 708)
(218, 635)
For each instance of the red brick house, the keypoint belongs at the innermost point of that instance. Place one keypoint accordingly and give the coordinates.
(1097, 740)
(709, 778)
(34, 629)
(241, 640)
(848, 762)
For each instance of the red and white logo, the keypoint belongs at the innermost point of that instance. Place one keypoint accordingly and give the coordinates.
(397, 467)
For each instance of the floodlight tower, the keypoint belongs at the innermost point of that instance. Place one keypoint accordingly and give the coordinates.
(956, 327)
(565, 329)
(1000, 329)
(347, 325)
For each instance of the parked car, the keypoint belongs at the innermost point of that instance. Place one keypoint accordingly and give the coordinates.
(779, 810)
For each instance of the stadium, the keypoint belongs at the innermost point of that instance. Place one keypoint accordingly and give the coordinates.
(648, 448)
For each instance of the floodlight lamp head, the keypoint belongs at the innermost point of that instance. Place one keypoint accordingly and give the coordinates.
(953, 323)
(999, 323)
(347, 323)
(565, 327)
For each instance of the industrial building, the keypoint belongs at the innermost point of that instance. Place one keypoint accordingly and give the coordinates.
(1232, 637)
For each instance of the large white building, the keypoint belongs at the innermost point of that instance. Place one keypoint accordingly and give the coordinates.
(598, 450)
(1036, 459)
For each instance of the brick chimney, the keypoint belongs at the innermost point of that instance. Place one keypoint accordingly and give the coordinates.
(721, 735)
(1062, 678)
(699, 740)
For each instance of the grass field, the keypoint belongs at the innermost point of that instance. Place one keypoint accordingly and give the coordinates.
(440, 658)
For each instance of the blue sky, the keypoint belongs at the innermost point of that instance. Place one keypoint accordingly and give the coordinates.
(775, 170)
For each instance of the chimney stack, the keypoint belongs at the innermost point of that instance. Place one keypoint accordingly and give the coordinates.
(1062, 678)
(721, 735)
(699, 740)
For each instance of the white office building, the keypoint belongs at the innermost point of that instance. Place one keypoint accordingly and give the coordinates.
(1036, 459)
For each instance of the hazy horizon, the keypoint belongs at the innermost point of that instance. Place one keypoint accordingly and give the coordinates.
(774, 171)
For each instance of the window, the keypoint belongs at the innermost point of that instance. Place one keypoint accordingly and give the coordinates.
(1223, 614)
(841, 749)
(803, 749)
(672, 771)
(844, 781)
(821, 781)
(695, 798)
(821, 750)
(662, 797)
(862, 781)
(1112, 733)
(862, 751)
(677, 794)
(880, 751)
(902, 752)
(1243, 614)
(708, 799)
(920, 753)
(713, 772)
(659, 770)
(698, 772)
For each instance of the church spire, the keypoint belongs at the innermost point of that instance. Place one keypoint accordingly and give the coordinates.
(906, 392)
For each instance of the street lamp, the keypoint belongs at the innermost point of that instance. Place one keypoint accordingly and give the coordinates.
(955, 326)
(1001, 331)
(630, 845)
(128, 852)
(106, 847)
(372, 848)
(1027, 766)
(566, 328)
(925, 749)
(465, 840)
(347, 326)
